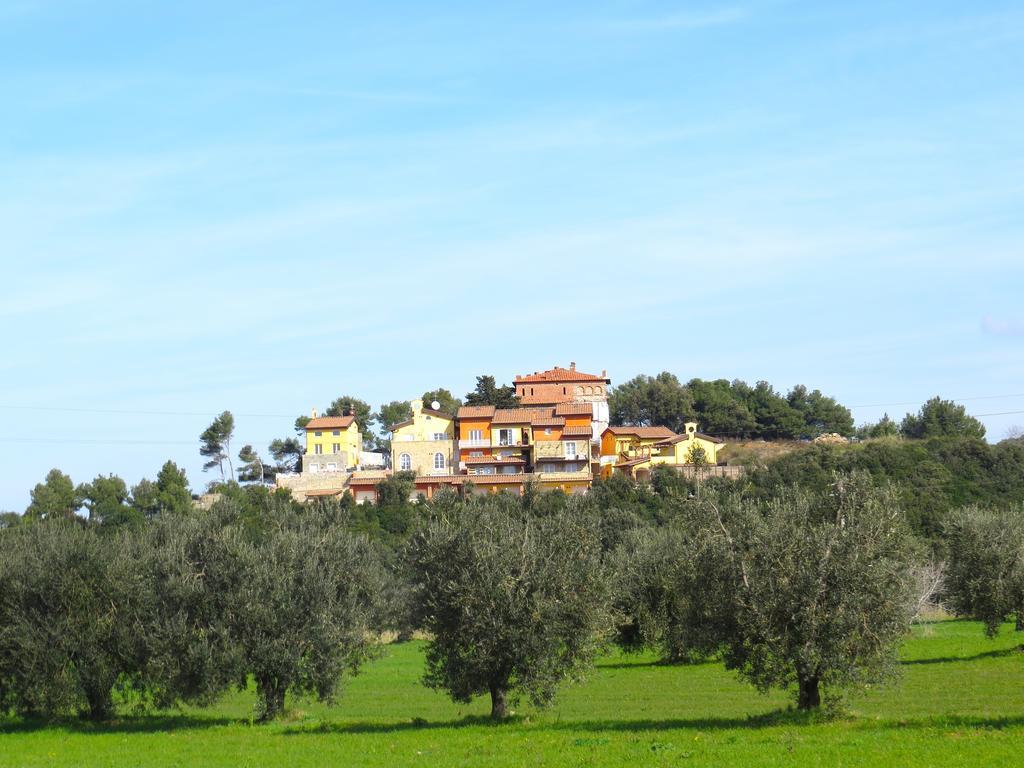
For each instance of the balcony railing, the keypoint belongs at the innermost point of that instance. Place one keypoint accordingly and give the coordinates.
(483, 442)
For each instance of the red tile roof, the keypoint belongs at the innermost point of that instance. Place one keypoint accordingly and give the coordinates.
(558, 374)
(477, 479)
(574, 409)
(325, 492)
(549, 421)
(644, 433)
(331, 422)
(681, 438)
(578, 432)
(519, 415)
(494, 460)
(476, 412)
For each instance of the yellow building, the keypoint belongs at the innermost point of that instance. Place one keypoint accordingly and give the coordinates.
(424, 444)
(635, 451)
(333, 444)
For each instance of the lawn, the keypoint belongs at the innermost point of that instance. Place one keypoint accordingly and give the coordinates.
(960, 701)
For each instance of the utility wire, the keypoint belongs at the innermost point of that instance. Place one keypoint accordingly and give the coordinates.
(123, 412)
(954, 399)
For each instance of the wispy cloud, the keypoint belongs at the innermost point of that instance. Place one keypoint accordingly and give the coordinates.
(1002, 326)
(686, 20)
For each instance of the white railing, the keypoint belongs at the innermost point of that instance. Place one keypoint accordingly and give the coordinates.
(475, 443)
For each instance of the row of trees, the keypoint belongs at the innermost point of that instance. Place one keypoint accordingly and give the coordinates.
(806, 590)
(729, 408)
(737, 409)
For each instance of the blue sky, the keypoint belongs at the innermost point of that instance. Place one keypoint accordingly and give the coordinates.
(262, 206)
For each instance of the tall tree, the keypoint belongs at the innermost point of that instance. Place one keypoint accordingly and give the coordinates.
(53, 498)
(287, 454)
(514, 604)
(448, 402)
(821, 414)
(884, 427)
(253, 469)
(719, 410)
(365, 418)
(941, 418)
(105, 498)
(489, 393)
(216, 443)
(393, 413)
(651, 401)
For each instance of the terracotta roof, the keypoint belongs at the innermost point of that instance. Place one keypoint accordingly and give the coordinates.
(476, 411)
(549, 421)
(494, 460)
(578, 432)
(331, 422)
(645, 433)
(401, 424)
(325, 492)
(681, 438)
(633, 462)
(574, 409)
(519, 415)
(368, 478)
(558, 374)
(478, 479)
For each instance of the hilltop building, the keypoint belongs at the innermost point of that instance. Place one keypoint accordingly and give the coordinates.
(635, 451)
(333, 444)
(424, 444)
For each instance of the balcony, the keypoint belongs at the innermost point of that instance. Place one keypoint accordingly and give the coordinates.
(484, 442)
(498, 442)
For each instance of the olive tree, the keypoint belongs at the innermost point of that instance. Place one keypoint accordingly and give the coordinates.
(822, 591)
(515, 603)
(193, 572)
(303, 606)
(70, 618)
(985, 573)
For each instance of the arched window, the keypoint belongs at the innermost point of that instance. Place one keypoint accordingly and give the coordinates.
(405, 462)
(438, 461)
(579, 390)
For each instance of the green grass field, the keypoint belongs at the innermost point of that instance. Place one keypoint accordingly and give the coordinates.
(960, 701)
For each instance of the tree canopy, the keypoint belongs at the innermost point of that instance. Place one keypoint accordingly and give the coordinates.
(448, 402)
(487, 392)
(215, 444)
(55, 497)
(941, 418)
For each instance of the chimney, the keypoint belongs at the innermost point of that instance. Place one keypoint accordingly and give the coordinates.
(572, 366)
(604, 373)
(313, 415)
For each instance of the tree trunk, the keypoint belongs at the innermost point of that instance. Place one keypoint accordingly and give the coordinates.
(271, 696)
(100, 704)
(1020, 621)
(809, 697)
(499, 703)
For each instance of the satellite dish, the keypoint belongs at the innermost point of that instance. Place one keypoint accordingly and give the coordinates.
(435, 405)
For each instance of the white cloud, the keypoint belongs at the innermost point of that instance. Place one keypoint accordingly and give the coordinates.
(1002, 326)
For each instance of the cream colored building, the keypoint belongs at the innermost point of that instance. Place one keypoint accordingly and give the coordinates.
(425, 444)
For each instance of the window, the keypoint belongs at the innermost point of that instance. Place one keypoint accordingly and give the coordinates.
(314, 468)
(510, 470)
(570, 449)
(318, 434)
(547, 430)
(476, 453)
(505, 437)
(336, 432)
(318, 449)
(476, 434)
(439, 462)
(336, 448)
(486, 470)
(405, 462)
(332, 467)
(579, 390)
(440, 436)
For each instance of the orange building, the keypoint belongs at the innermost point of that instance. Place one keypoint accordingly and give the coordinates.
(561, 385)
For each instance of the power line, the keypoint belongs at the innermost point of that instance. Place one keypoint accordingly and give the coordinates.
(131, 412)
(953, 399)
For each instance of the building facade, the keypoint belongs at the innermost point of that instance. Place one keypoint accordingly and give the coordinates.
(424, 444)
(333, 444)
(635, 451)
